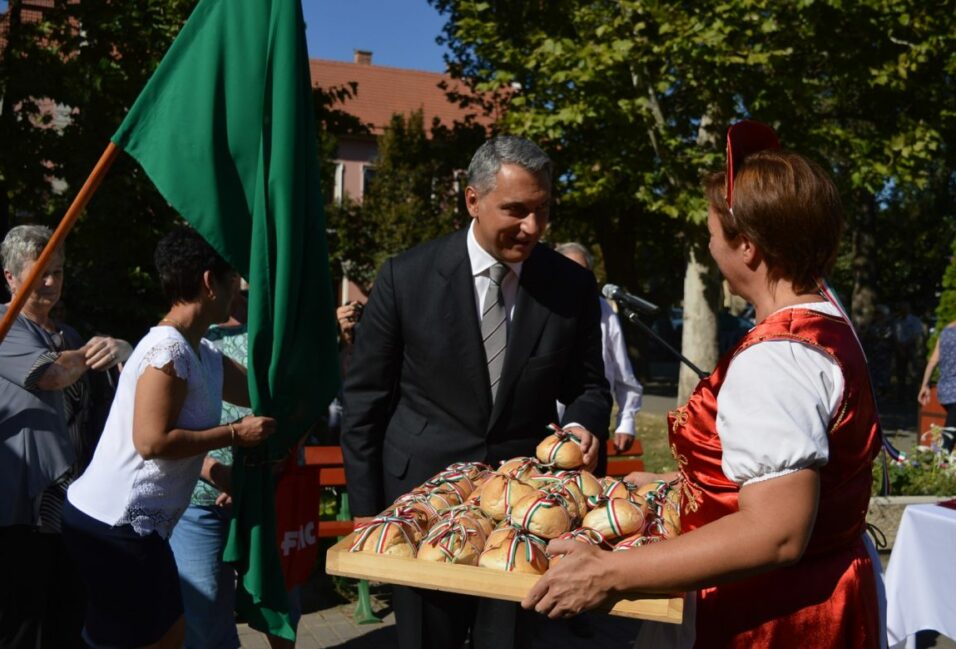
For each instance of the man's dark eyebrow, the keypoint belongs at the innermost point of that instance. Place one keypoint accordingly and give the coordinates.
(518, 205)
(513, 205)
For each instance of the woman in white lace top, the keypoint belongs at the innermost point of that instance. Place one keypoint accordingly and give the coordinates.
(164, 419)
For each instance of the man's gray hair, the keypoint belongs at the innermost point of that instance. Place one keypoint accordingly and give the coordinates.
(574, 246)
(506, 149)
(23, 244)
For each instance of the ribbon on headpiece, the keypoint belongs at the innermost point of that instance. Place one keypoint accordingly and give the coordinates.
(745, 138)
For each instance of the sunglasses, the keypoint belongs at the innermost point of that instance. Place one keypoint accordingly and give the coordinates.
(744, 138)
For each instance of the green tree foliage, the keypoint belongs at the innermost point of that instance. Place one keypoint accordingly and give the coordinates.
(67, 82)
(633, 98)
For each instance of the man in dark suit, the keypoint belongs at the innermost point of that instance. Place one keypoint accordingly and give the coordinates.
(466, 344)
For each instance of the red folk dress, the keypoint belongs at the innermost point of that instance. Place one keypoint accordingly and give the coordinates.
(828, 598)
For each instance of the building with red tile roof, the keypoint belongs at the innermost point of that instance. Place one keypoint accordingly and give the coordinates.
(381, 92)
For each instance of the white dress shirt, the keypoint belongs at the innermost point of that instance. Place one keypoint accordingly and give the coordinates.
(481, 263)
(625, 387)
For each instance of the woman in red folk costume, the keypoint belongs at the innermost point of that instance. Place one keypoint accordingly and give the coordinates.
(774, 449)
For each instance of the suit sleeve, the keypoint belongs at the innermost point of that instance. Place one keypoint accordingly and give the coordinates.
(585, 389)
(370, 388)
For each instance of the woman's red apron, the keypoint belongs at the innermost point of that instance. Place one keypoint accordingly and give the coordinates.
(828, 598)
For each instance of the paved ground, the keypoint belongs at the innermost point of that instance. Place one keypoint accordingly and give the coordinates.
(334, 627)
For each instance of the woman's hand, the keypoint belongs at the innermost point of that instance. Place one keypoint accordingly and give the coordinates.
(923, 396)
(253, 430)
(103, 352)
(580, 581)
(641, 478)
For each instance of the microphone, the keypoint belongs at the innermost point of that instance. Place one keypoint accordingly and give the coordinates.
(614, 292)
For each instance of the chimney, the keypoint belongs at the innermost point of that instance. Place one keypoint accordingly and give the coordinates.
(363, 57)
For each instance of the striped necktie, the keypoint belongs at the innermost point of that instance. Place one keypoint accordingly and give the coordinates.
(494, 326)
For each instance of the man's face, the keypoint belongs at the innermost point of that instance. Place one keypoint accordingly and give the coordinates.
(511, 218)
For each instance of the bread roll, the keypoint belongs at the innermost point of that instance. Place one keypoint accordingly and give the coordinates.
(582, 535)
(391, 533)
(585, 480)
(470, 469)
(512, 550)
(473, 516)
(452, 541)
(666, 525)
(543, 514)
(425, 511)
(500, 493)
(613, 488)
(575, 502)
(441, 500)
(448, 481)
(561, 450)
(520, 468)
(615, 518)
(663, 499)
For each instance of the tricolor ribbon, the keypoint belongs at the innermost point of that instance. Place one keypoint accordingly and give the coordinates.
(532, 544)
(612, 519)
(589, 535)
(383, 523)
(563, 437)
(471, 469)
(445, 534)
(523, 467)
(544, 501)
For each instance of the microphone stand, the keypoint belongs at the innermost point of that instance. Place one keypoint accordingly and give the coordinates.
(633, 318)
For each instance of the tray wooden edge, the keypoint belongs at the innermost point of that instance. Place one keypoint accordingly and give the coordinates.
(482, 582)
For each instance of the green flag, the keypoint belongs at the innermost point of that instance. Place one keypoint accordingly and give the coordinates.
(226, 131)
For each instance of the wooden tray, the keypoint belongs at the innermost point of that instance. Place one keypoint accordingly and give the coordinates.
(472, 580)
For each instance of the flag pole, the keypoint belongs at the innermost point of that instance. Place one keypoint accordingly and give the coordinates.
(76, 208)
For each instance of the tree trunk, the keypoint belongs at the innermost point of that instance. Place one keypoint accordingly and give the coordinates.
(701, 303)
(863, 300)
(618, 240)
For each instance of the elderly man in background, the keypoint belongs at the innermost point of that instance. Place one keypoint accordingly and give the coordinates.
(625, 387)
(52, 409)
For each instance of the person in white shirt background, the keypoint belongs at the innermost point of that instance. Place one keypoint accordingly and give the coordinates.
(625, 387)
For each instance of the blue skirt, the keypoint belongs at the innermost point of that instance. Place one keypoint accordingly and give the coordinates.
(133, 594)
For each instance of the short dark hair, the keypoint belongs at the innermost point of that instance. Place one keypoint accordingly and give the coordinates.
(181, 258)
(789, 208)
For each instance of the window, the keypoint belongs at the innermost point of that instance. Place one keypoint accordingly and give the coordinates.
(368, 174)
(338, 188)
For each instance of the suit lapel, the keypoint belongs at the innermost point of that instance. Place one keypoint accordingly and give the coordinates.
(461, 317)
(529, 319)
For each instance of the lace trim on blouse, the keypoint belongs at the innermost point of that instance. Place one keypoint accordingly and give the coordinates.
(165, 352)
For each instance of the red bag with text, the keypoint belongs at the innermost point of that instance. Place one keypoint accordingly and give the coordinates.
(297, 519)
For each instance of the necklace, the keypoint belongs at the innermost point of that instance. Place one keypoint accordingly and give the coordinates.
(176, 323)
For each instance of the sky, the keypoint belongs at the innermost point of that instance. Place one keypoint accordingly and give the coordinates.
(400, 33)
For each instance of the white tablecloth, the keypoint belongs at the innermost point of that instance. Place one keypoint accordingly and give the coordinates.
(921, 575)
